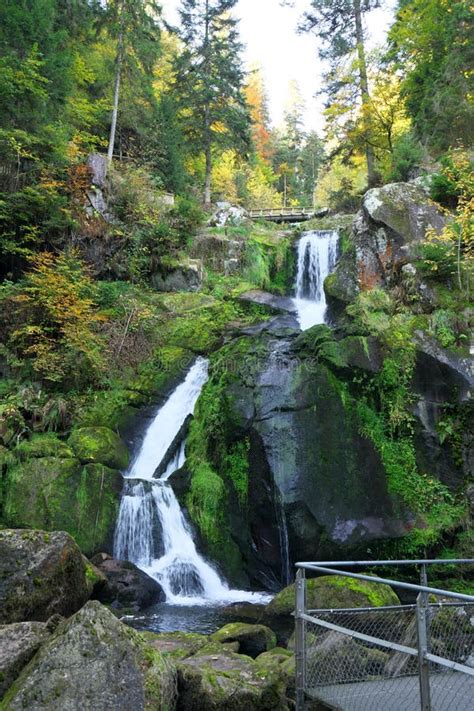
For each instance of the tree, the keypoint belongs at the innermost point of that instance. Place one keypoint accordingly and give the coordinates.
(432, 45)
(257, 99)
(339, 24)
(209, 82)
(134, 24)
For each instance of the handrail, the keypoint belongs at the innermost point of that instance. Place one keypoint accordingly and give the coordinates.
(388, 581)
(422, 611)
(366, 563)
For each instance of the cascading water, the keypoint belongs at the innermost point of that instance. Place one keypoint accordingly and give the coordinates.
(151, 529)
(317, 255)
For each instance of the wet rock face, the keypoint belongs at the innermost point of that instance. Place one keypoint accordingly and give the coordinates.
(93, 661)
(40, 574)
(126, 585)
(393, 220)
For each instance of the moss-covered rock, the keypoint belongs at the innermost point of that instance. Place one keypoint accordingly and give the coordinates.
(61, 494)
(41, 574)
(93, 661)
(219, 682)
(46, 444)
(334, 591)
(253, 639)
(99, 445)
(177, 645)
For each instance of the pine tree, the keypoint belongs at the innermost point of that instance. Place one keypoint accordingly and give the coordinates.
(134, 24)
(209, 81)
(339, 24)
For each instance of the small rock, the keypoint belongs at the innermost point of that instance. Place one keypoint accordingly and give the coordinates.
(253, 639)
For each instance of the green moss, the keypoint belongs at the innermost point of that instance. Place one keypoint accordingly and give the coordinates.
(99, 445)
(61, 494)
(46, 444)
(334, 591)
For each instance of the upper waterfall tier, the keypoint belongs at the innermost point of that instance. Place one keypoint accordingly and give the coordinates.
(317, 255)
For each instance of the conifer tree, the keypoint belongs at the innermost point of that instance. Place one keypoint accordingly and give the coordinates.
(209, 81)
(134, 24)
(339, 25)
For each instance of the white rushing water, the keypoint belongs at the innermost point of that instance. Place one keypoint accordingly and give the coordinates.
(151, 529)
(317, 254)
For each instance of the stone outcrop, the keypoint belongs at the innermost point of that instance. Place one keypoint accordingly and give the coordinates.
(41, 574)
(186, 276)
(93, 661)
(386, 232)
(227, 214)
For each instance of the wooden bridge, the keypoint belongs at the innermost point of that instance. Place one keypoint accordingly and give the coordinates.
(286, 214)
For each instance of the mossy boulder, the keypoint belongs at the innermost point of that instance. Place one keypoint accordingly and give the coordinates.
(253, 639)
(177, 645)
(41, 574)
(62, 494)
(46, 444)
(334, 591)
(219, 682)
(18, 644)
(99, 445)
(93, 661)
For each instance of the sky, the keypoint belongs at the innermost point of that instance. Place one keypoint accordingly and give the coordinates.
(269, 34)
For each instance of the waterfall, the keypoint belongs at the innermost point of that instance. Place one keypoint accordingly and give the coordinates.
(151, 529)
(317, 254)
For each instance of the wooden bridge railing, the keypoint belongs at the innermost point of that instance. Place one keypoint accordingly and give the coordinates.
(282, 212)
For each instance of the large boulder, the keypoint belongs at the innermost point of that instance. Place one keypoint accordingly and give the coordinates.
(99, 445)
(253, 639)
(218, 252)
(126, 585)
(19, 642)
(386, 233)
(333, 592)
(211, 681)
(185, 276)
(93, 661)
(40, 574)
(63, 494)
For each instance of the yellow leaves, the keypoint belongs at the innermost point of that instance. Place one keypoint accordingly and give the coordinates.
(60, 317)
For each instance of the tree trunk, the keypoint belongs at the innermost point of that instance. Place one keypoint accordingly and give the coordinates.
(207, 181)
(364, 90)
(207, 118)
(118, 76)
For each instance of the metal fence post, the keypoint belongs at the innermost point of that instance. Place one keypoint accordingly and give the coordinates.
(300, 642)
(423, 663)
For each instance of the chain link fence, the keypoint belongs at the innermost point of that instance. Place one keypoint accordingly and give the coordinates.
(397, 658)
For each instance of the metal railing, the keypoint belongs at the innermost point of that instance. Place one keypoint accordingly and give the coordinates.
(391, 658)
